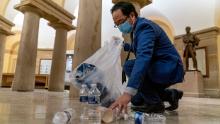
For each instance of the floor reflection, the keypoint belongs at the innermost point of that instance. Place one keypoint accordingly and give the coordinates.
(39, 107)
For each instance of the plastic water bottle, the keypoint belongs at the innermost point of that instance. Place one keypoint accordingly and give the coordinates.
(83, 94)
(93, 102)
(94, 96)
(84, 101)
(153, 118)
(63, 117)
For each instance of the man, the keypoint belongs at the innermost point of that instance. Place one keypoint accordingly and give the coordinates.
(156, 67)
(191, 41)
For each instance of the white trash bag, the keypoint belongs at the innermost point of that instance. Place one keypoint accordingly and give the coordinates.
(104, 69)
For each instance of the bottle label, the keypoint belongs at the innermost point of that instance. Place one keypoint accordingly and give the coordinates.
(138, 117)
(83, 99)
(93, 100)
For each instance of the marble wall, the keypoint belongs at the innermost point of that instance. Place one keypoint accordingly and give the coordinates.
(11, 58)
(42, 54)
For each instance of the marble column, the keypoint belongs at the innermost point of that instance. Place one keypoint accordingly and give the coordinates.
(137, 3)
(26, 62)
(5, 30)
(127, 36)
(2, 51)
(88, 33)
(218, 61)
(56, 81)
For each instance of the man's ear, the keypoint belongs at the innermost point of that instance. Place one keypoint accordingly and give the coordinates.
(132, 17)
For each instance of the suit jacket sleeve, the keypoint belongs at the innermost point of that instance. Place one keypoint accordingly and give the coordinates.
(145, 38)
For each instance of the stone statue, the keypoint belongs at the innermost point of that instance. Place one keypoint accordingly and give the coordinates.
(191, 41)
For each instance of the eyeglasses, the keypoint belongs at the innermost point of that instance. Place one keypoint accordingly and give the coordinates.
(115, 26)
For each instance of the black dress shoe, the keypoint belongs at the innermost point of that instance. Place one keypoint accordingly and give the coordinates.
(176, 95)
(150, 108)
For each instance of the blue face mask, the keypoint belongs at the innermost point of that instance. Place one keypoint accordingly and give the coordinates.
(125, 28)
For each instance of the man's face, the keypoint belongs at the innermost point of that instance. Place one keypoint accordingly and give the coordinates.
(118, 17)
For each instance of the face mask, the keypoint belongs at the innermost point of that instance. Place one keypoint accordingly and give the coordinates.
(125, 28)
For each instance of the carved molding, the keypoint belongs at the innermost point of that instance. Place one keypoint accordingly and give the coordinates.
(48, 10)
(141, 2)
(5, 26)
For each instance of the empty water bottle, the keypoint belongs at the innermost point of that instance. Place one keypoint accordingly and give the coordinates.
(153, 118)
(93, 102)
(63, 117)
(83, 93)
(84, 101)
(94, 95)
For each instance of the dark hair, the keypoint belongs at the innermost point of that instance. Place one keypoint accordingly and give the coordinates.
(125, 7)
(188, 27)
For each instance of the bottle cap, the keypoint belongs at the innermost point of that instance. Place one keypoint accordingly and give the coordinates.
(84, 85)
(93, 85)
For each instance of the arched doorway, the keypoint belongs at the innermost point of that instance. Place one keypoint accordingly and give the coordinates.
(166, 25)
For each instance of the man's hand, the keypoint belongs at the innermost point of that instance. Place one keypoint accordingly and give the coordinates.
(122, 103)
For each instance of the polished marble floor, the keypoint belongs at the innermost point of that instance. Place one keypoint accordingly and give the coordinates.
(39, 107)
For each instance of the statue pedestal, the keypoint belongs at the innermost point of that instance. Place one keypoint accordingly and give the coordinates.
(192, 85)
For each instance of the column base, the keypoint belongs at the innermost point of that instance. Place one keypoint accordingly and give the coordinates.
(22, 90)
(56, 90)
(74, 92)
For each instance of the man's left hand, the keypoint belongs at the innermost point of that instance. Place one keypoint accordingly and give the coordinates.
(122, 103)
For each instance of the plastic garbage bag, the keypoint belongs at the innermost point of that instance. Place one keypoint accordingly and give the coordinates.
(104, 69)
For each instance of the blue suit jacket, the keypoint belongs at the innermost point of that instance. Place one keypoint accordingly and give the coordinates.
(156, 57)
